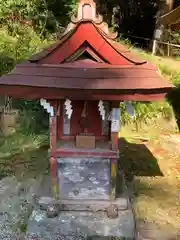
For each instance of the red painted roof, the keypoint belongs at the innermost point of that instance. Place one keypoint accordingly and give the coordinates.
(112, 51)
(86, 74)
(86, 58)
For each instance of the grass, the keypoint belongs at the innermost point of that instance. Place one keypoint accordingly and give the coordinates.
(152, 164)
(23, 155)
(170, 64)
(169, 67)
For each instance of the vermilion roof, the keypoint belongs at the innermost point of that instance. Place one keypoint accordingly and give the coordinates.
(87, 74)
(94, 36)
(86, 58)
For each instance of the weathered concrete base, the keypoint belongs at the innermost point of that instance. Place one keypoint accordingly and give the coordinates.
(80, 225)
(80, 218)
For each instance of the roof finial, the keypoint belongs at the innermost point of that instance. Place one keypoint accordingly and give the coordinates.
(87, 10)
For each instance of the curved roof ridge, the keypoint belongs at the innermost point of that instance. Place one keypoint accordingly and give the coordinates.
(113, 43)
(67, 33)
(118, 47)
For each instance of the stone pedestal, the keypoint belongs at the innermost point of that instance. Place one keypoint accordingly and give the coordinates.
(79, 218)
(80, 225)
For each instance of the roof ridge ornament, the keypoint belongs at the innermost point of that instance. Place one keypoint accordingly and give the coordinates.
(87, 11)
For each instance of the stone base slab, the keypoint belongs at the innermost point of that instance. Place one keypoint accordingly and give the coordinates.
(80, 225)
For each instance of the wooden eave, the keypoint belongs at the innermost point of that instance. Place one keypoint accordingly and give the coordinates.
(30, 92)
(96, 79)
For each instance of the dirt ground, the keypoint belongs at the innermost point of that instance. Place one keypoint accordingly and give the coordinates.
(153, 165)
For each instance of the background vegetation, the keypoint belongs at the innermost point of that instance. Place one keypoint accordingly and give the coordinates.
(26, 26)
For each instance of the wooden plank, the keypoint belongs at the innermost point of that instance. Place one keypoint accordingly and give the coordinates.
(87, 142)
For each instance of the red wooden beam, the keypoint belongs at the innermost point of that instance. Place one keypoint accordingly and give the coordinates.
(54, 93)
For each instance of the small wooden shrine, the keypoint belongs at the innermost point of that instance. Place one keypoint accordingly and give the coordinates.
(80, 81)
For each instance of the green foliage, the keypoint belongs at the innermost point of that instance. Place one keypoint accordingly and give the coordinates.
(175, 38)
(26, 26)
(147, 112)
(20, 143)
(176, 78)
(124, 40)
(43, 16)
(33, 118)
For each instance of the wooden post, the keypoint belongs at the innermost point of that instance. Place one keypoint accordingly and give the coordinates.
(53, 132)
(53, 162)
(113, 180)
(154, 47)
(113, 171)
(115, 125)
(52, 108)
(168, 48)
(115, 140)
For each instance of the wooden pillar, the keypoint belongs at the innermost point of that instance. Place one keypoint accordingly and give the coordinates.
(113, 175)
(53, 132)
(114, 140)
(115, 127)
(113, 180)
(53, 162)
(52, 108)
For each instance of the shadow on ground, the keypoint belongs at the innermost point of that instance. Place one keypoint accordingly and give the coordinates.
(137, 160)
